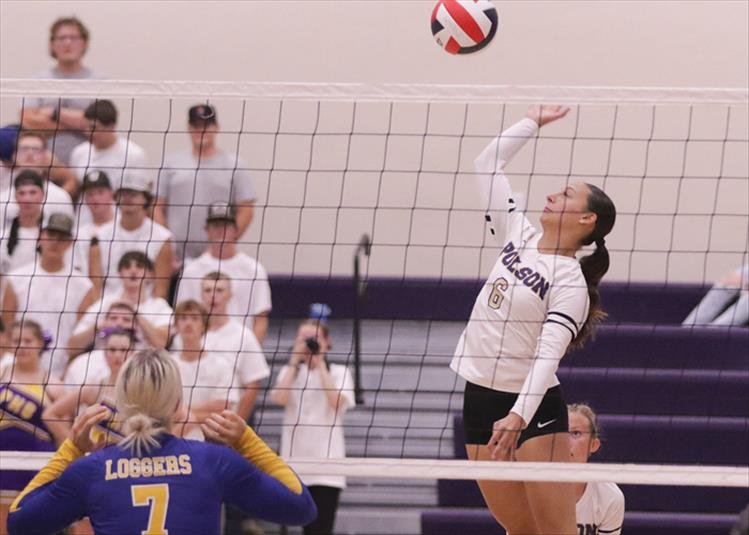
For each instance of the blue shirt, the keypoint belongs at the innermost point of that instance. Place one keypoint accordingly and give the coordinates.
(176, 488)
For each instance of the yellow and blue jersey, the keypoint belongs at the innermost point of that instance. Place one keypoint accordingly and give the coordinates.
(22, 428)
(176, 488)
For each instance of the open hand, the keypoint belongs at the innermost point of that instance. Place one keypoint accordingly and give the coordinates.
(544, 114)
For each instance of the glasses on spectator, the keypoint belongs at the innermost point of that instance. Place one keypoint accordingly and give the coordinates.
(72, 38)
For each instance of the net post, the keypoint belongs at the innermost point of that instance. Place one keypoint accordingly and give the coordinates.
(360, 288)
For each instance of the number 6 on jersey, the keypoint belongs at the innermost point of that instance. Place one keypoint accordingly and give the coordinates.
(496, 297)
(157, 497)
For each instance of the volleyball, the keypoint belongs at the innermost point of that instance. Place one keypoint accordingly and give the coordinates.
(464, 26)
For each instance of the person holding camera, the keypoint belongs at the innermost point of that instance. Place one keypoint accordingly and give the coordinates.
(316, 395)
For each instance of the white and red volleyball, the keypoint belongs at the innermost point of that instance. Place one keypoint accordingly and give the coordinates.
(464, 26)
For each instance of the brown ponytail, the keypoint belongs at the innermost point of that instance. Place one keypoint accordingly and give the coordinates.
(595, 265)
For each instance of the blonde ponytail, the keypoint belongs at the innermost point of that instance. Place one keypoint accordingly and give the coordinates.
(149, 388)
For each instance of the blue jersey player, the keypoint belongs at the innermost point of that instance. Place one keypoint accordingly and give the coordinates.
(154, 482)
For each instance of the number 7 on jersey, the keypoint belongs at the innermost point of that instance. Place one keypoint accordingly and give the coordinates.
(157, 497)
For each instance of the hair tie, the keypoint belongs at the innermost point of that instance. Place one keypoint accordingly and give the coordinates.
(601, 242)
(46, 339)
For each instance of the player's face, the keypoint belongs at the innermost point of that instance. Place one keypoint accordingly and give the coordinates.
(67, 44)
(134, 276)
(29, 199)
(190, 325)
(582, 442)
(53, 244)
(564, 209)
(221, 231)
(215, 294)
(116, 351)
(27, 345)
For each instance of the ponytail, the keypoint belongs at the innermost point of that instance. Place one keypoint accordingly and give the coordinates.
(13, 236)
(149, 388)
(595, 265)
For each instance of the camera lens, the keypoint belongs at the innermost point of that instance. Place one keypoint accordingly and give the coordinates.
(313, 345)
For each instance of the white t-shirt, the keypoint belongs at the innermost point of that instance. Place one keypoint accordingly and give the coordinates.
(311, 427)
(249, 283)
(531, 306)
(115, 241)
(238, 346)
(205, 379)
(155, 309)
(87, 369)
(52, 300)
(600, 509)
(112, 160)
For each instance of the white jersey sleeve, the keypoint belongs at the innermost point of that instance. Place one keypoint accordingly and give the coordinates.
(568, 310)
(492, 184)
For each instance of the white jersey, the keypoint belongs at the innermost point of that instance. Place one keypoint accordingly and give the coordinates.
(531, 306)
(311, 427)
(205, 379)
(87, 369)
(600, 510)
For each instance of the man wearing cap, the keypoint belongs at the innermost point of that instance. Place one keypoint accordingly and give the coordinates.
(98, 198)
(49, 291)
(18, 246)
(251, 298)
(62, 118)
(191, 180)
(105, 150)
(130, 230)
(30, 154)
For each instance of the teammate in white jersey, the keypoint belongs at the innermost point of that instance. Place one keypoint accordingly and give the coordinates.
(600, 506)
(538, 301)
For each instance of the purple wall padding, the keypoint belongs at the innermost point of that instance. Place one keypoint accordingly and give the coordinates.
(452, 299)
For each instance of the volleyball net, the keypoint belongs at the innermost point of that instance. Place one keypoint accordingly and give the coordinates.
(330, 163)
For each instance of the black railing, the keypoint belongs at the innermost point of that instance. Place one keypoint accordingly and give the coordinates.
(360, 288)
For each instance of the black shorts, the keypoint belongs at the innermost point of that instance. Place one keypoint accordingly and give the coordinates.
(484, 406)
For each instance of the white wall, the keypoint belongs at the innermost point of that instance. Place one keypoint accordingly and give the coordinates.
(424, 223)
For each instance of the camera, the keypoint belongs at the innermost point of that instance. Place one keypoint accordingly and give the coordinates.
(313, 345)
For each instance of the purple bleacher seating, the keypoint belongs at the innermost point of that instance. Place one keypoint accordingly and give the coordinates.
(658, 391)
(480, 521)
(452, 299)
(675, 347)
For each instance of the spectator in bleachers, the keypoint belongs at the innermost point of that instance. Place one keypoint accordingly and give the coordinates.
(316, 395)
(24, 389)
(105, 150)
(8, 137)
(59, 416)
(30, 154)
(62, 118)
(194, 179)
(726, 303)
(207, 379)
(599, 506)
(98, 198)
(251, 298)
(152, 314)
(131, 230)
(21, 235)
(91, 367)
(49, 292)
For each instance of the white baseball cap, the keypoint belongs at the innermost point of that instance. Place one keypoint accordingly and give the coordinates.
(136, 181)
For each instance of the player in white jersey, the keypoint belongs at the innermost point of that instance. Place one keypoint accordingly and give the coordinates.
(537, 302)
(600, 506)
